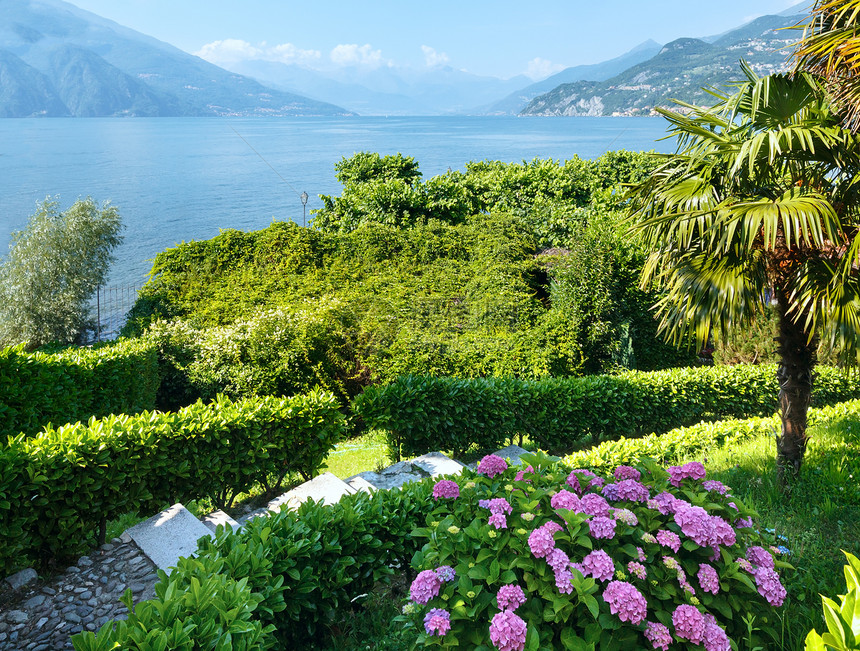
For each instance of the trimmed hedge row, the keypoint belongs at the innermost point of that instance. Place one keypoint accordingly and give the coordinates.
(423, 413)
(283, 579)
(57, 489)
(75, 384)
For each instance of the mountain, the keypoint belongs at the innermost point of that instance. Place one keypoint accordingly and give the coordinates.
(387, 90)
(680, 70)
(518, 100)
(56, 59)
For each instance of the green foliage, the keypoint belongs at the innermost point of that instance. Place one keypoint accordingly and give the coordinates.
(73, 384)
(288, 576)
(486, 556)
(53, 268)
(843, 619)
(60, 486)
(423, 413)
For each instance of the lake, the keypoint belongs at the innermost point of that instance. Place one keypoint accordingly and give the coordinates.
(182, 179)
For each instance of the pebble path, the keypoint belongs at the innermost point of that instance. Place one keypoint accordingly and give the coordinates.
(83, 598)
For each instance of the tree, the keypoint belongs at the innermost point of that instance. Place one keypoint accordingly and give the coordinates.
(759, 205)
(53, 268)
(831, 49)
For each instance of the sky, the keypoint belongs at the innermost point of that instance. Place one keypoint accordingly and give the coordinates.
(500, 38)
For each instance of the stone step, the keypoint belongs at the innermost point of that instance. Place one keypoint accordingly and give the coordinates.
(360, 484)
(168, 536)
(432, 464)
(216, 518)
(325, 487)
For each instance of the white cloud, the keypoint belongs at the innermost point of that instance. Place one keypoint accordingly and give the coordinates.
(233, 50)
(349, 54)
(432, 58)
(541, 68)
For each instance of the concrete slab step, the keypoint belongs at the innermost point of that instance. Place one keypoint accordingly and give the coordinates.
(325, 487)
(360, 484)
(436, 463)
(216, 518)
(432, 464)
(168, 536)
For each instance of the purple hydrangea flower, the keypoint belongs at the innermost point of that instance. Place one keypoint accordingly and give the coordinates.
(760, 557)
(558, 560)
(593, 504)
(564, 499)
(640, 553)
(573, 479)
(744, 523)
(541, 542)
(715, 638)
(689, 623)
(446, 573)
(692, 470)
(768, 585)
(497, 505)
(637, 569)
(704, 529)
(709, 580)
(498, 520)
(744, 564)
(508, 631)
(714, 485)
(437, 621)
(658, 635)
(626, 490)
(425, 586)
(510, 597)
(664, 503)
(520, 476)
(492, 465)
(626, 472)
(602, 527)
(625, 601)
(597, 564)
(552, 527)
(446, 488)
(669, 539)
(563, 581)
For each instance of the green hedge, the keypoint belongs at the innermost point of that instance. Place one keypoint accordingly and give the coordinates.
(280, 581)
(423, 413)
(75, 384)
(58, 488)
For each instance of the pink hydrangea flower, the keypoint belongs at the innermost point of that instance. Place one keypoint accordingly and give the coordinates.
(510, 597)
(769, 586)
(744, 564)
(564, 499)
(626, 516)
(558, 560)
(498, 520)
(637, 569)
(669, 539)
(446, 488)
(714, 637)
(626, 490)
(692, 470)
(714, 485)
(563, 581)
(541, 542)
(689, 623)
(602, 527)
(640, 553)
(425, 586)
(437, 621)
(626, 472)
(492, 465)
(597, 564)
(593, 504)
(744, 523)
(658, 635)
(520, 476)
(709, 580)
(760, 557)
(552, 527)
(573, 479)
(703, 529)
(664, 503)
(508, 631)
(625, 601)
(497, 505)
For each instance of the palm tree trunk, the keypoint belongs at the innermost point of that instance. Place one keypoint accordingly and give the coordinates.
(795, 375)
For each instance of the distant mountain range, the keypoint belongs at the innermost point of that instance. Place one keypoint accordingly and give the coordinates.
(57, 60)
(680, 70)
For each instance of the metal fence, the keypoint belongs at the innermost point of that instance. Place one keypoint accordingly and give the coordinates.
(109, 308)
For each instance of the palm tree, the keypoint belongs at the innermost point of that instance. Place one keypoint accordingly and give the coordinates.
(830, 48)
(759, 204)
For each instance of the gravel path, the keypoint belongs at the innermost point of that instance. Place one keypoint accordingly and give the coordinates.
(84, 597)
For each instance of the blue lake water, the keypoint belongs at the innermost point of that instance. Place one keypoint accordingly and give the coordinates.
(183, 179)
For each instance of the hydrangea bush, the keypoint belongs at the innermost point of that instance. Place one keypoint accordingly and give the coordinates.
(521, 559)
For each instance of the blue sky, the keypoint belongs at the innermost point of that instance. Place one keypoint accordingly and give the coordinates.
(501, 38)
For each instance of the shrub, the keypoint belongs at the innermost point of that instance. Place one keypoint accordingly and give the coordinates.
(843, 619)
(287, 575)
(74, 384)
(422, 413)
(543, 559)
(60, 486)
